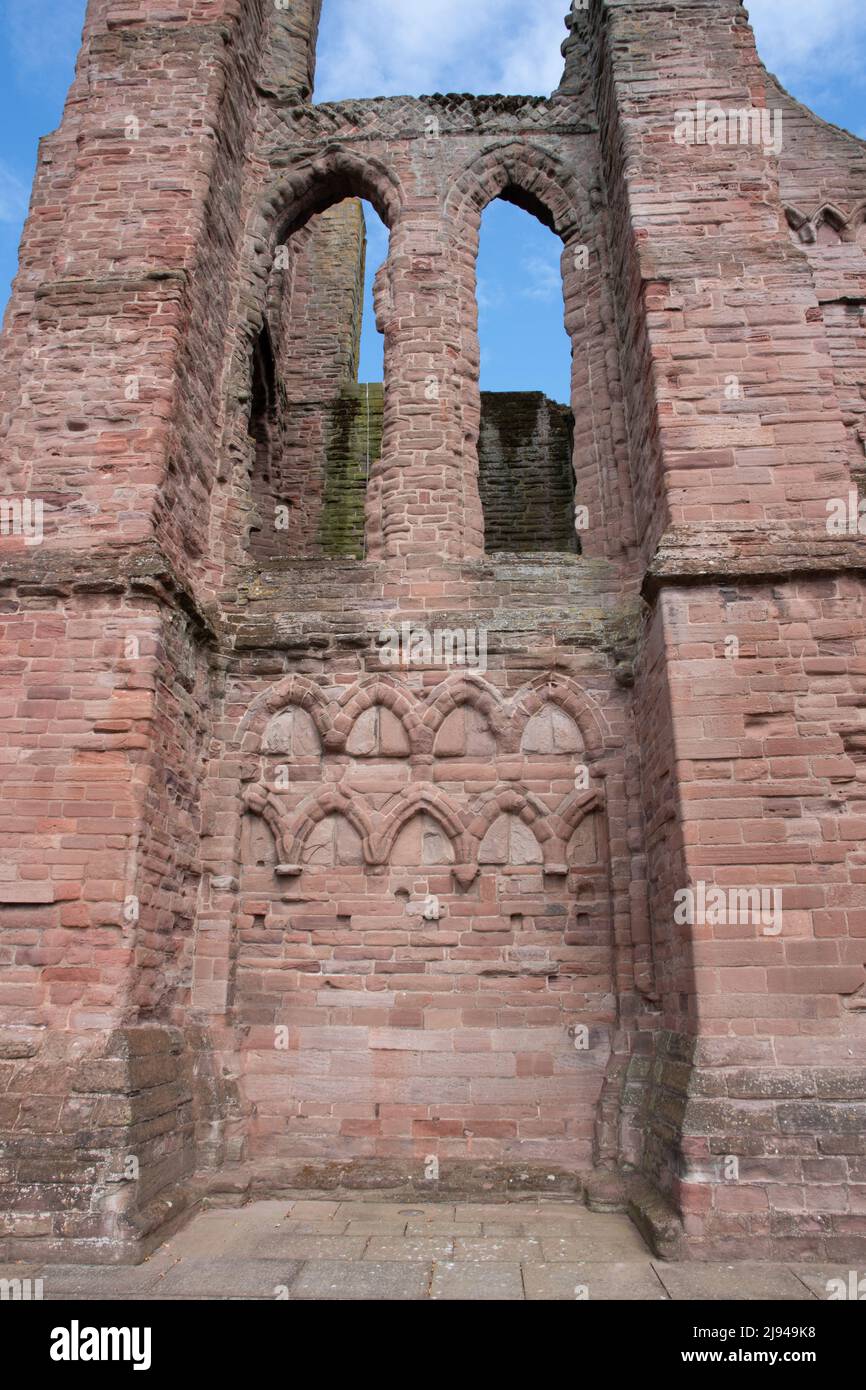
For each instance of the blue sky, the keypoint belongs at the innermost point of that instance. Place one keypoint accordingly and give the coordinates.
(816, 47)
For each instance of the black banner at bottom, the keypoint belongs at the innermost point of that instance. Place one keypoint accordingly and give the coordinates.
(57, 1339)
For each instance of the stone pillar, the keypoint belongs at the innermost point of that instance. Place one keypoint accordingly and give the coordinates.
(751, 663)
(110, 366)
(424, 501)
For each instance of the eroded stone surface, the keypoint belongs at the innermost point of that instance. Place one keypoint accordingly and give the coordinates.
(223, 792)
(221, 1254)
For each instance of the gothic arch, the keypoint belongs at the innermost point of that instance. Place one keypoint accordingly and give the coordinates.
(332, 801)
(829, 212)
(459, 690)
(532, 812)
(439, 808)
(294, 690)
(830, 216)
(856, 222)
(317, 182)
(562, 691)
(806, 228)
(378, 690)
(313, 184)
(576, 807)
(534, 179)
(573, 811)
(310, 184)
(523, 174)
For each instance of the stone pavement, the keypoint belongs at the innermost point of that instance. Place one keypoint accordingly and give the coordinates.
(364, 1249)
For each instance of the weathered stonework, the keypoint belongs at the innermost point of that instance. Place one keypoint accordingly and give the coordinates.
(283, 906)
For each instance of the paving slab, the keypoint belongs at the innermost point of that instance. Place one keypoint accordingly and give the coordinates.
(477, 1281)
(334, 1227)
(740, 1282)
(106, 1281)
(585, 1222)
(212, 1233)
(20, 1271)
(370, 1211)
(409, 1248)
(505, 1229)
(215, 1278)
(281, 1244)
(516, 1212)
(499, 1250)
(313, 1208)
(264, 1211)
(428, 1226)
(621, 1243)
(369, 1280)
(382, 1225)
(414, 1211)
(593, 1280)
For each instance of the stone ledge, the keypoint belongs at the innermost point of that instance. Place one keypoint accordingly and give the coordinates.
(710, 553)
(130, 26)
(477, 1181)
(110, 284)
(134, 571)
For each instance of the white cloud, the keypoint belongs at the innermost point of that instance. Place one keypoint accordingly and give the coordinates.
(14, 196)
(532, 62)
(545, 279)
(808, 41)
(415, 47)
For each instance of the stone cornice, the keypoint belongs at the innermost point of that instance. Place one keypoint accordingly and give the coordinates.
(134, 572)
(749, 551)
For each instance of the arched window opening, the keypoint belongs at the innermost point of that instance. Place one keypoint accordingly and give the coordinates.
(315, 428)
(526, 477)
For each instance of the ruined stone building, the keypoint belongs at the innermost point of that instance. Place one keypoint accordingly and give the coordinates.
(283, 906)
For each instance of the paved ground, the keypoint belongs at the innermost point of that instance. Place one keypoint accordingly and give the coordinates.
(312, 1249)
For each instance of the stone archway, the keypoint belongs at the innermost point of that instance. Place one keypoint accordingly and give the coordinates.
(529, 176)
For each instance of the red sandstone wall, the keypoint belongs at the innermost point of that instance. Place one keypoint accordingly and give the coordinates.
(99, 804)
(103, 714)
(723, 296)
(768, 758)
(823, 181)
(150, 258)
(743, 750)
(111, 366)
(410, 1037)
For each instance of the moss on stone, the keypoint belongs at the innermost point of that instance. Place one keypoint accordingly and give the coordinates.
(354, 442)
(525, 472)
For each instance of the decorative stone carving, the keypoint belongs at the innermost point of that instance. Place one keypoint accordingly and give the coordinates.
(380, 722)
